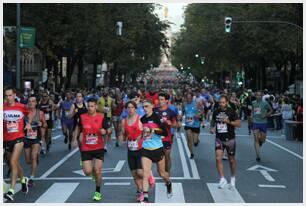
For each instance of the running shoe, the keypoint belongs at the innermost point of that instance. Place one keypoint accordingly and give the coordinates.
(222, 183)
(145, 200)
(191, 156)
(24, 185)
(169, 189)
(151, 180)
(97, 196)
(258, 159)
(9, 195)
(66, 140)
(140, 197)
(117, 144)
(31, 183)
(232, 184)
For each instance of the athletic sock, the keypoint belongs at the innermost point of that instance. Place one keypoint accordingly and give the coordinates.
(145, 194)
(98, 189)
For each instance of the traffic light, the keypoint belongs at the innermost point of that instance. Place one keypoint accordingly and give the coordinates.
(228, 24)
(202, 60)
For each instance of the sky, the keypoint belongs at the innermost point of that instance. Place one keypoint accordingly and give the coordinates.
(175, 14)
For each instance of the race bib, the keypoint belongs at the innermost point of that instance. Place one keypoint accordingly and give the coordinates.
(32, 134)
(106, 109)
(222, 128)
(249, 107)
(47, 116)
(67, 113)
(257, 110)
(91, 139)
(189, 120)
(207, 104)
(12, 126)
(133, 145)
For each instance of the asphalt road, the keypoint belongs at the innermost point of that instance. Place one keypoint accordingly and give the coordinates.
(278, 178)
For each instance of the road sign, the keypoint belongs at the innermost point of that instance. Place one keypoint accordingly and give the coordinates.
(27, 37)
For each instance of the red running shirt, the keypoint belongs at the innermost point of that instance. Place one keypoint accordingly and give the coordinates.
(92, 137)
(132, 132)
(13, 121)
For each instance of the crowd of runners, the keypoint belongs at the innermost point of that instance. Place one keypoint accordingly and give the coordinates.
(142, 121)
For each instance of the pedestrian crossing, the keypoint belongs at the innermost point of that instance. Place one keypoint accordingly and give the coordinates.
(65, 192)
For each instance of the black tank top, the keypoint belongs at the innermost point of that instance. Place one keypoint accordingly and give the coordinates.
(35, 133)
(81, 110)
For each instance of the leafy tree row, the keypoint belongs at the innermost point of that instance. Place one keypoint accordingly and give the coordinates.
(87, 32)
(251, 46)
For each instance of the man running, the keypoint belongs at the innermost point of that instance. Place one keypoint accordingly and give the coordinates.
(33, 137)
(261, 110)
(152, 148)
(192, 123)
(14, 115)
(223, 123)
(168, 118)
(105, 107)
(67, 121)
(46, 105)
(93, 125)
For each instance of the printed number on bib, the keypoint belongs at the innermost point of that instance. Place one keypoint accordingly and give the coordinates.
(66, 113)
(190, 120)
(91, 139)
(32, 135)
(257, 110)
(133, 145)
(47, 116)
(249, 107)
(222, 128)
(12, 127)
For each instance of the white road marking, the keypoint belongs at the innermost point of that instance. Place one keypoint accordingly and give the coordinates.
(183, 159)
(106, 170)
(58, 164)
(260, 167)
(7, 187)
(105, 178)
(119, 166)
(267, 176)
(117, 183)
(56, 137)
(224, 195)
(58, 193)
(283, 148)
(272, 186)
(161, 193)
(193, 165)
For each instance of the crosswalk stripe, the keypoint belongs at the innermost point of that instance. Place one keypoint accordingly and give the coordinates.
(161, 193)
(56, 137)
(57, 193)
(224, 195)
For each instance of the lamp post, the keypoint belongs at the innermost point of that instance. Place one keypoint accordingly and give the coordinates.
(18, 72)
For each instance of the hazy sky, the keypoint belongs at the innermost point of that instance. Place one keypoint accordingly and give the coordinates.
(175, 14)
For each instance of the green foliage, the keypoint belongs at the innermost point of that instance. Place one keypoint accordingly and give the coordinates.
(203, 33)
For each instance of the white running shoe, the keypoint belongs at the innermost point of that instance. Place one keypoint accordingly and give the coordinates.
(222, 183)
(232, 185)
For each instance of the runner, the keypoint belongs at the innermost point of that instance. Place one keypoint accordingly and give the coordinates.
(152, 149)
(46, 105)
(67, 122)
(248, 103)
(93, 125)
(105, 107)
(33, 137)
(117, 108)
(78, 108)
(132, 131)
(261, 110)
(14, 115)
(224, 121)
(192, 123)
(168, 118)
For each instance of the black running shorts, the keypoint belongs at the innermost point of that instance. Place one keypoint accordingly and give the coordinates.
(90, 155)
(134, 160)
(154, 155)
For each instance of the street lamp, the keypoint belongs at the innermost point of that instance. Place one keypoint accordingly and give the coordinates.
(197, 56)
